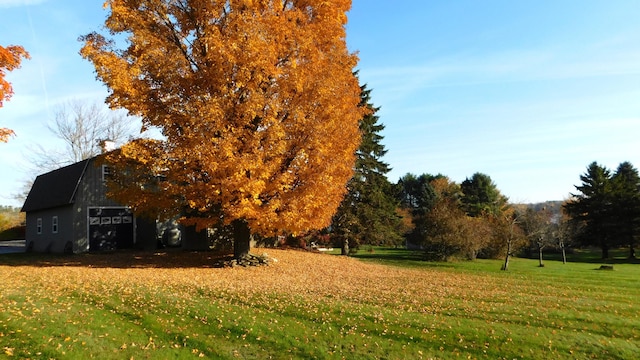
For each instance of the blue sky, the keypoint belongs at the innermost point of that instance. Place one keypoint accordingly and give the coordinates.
(528, 92)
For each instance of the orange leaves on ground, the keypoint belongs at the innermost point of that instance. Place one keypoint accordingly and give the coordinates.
(146, 305)
(293, 275)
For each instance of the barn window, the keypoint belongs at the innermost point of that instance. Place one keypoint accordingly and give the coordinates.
(39, 225)
(54, 224)
(106, 173)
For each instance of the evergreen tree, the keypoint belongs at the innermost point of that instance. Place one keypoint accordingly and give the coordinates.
(481, 196)
(418, 197)
(416, 193)
(592, 209)
(367, 214)
(626, 205)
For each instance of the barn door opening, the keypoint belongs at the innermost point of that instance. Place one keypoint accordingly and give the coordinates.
(110, 228)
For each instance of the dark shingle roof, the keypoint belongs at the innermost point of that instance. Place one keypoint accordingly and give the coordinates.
(55, 188)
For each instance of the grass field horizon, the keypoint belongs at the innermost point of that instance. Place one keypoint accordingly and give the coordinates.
(308, 305)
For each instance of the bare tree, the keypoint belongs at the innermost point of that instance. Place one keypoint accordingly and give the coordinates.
(79, 126)
(537, 226)
(564, 233)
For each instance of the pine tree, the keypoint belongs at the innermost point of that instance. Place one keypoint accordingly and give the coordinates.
(481, 196)
(417, 197)
(626, 205)
(367, 214)
(592, 208)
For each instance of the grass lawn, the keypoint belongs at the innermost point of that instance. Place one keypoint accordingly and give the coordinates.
(385, 304)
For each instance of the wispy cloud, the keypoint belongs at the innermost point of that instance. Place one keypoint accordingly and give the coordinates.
(15, 3)
(507, 67)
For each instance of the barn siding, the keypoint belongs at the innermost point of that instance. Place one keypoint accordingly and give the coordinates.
(48, 241)
(91, 192)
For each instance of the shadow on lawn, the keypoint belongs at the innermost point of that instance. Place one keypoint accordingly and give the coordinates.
(594, 256)
(398, 256)
(390, 254)
(121, 259)
(590, 256)
(177, 258)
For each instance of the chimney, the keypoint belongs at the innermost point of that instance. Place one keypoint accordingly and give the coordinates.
(107, 145)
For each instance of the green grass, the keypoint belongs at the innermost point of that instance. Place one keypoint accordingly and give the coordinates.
(401, 308)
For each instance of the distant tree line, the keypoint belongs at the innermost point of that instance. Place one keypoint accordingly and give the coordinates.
(458, 221)
(471, 219)
(430, 212)
(11, 223)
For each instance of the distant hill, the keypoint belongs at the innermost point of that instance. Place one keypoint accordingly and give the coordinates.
(555, 207)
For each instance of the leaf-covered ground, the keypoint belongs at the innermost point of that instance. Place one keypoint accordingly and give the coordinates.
(305, 305)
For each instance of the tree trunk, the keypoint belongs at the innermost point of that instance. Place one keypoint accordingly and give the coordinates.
(241, 239)
(194, 240)
(345, 247)
(146, 234)
(564, 256)
(505, 267)
(632, 252)
(540, 257)
(605, 252)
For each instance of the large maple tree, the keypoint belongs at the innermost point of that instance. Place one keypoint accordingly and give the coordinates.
(257, 103)
(10, 58)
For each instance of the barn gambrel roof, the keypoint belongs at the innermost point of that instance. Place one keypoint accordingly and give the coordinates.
(56, 188)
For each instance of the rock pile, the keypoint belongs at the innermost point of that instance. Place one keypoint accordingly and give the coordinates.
(250, 260)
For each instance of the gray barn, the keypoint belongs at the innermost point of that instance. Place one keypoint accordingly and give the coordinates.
(67, 210)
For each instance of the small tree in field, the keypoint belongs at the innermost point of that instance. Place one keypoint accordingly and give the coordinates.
(10, 58)
(257, 102)
(537, 227)
(506, 229)
(563, 233)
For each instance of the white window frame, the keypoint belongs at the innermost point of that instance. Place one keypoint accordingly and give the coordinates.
(39, 226)
(54, 225)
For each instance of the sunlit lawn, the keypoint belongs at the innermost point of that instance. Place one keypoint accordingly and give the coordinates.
(306, 305)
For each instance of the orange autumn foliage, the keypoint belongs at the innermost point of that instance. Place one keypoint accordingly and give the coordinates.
(10, 58)
(5, 134)
(256, 100)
